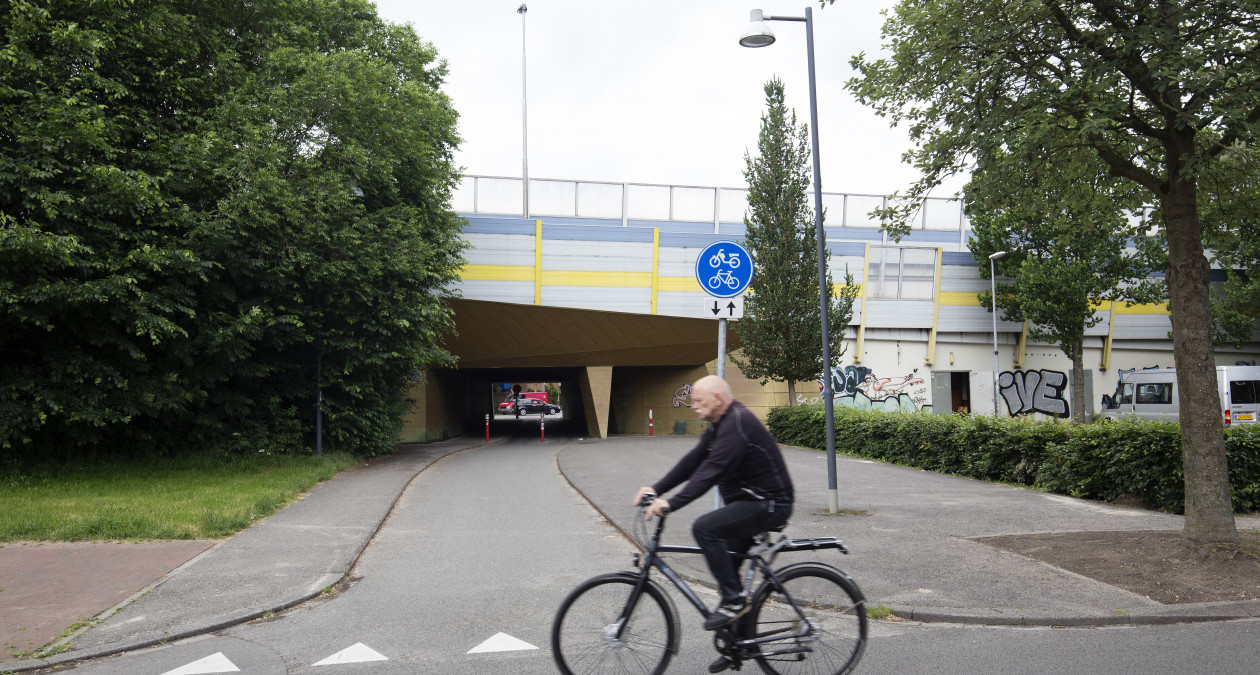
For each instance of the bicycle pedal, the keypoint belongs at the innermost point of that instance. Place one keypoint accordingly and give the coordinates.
(722, 663)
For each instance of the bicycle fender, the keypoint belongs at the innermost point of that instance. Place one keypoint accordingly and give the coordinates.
(814, 563)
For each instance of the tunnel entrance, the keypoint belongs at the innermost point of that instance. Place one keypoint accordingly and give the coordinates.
(492, 397)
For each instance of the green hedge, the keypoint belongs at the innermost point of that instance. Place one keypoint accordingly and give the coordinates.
(1095, 461)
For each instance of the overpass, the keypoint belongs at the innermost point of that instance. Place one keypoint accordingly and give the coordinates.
(596, 290)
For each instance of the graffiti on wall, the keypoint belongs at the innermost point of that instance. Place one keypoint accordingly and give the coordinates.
(802, 399)
(1030, 391)
(682, 396)
(862, 387)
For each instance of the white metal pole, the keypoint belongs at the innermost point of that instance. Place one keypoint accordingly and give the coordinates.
(721, 372)
(993, 294)
(993, 298)
(524, 123)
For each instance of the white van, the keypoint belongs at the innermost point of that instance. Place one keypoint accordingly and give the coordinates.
(1152, 394)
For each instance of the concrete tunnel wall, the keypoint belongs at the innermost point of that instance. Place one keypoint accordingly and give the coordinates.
(455, 402)
(601, 401)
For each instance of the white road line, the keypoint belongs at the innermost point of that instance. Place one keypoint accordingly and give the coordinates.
(501, 642)
(358, 653)
(215, 663)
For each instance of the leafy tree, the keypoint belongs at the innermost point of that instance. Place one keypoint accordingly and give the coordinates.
(181, 239)
(1068, 247)
(781, 332)
(1159, 91)
(1230, 211)
(553, 393)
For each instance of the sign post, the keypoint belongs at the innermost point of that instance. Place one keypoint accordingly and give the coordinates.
(724, 269)
(487, 427)
(649, 421)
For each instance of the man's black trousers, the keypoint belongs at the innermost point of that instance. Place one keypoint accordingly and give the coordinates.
(732, 528)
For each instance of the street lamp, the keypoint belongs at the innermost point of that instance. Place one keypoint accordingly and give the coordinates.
(758, 34)
(993, 297)
(524, 123)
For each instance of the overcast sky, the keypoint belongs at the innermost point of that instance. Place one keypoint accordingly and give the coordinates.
(652, 91)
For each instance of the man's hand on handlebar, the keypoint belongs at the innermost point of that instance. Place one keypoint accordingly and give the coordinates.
(646, 496)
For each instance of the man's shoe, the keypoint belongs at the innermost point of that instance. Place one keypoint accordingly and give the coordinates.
(726, 613)
(721, 664)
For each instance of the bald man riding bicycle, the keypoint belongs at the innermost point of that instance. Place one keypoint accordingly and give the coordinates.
(739, 455)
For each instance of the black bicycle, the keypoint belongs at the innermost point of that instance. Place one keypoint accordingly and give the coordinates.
(806, 617)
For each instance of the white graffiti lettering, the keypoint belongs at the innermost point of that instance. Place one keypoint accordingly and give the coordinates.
(682, 396)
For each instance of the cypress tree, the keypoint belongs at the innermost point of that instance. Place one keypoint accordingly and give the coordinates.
(781, 332)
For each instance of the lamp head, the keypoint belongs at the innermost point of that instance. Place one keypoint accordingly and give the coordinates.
(522, 9)
(997, 256)
(758, 33)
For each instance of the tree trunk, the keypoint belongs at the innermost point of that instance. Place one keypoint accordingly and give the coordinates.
(1078, 382)
(1209, 510)
(791, 393)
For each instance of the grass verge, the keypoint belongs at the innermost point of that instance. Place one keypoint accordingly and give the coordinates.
(180, 498)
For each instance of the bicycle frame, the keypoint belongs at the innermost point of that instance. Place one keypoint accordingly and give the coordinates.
(651, 558)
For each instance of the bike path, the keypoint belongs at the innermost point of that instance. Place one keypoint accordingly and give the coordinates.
(911, 535)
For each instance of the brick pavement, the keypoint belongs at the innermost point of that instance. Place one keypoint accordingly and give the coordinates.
(47, 587)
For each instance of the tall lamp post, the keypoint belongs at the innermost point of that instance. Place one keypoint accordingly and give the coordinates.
(524, 123)
(758, 34)
(993, 296)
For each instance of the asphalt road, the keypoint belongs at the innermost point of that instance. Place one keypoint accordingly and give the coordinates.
(483, 544)
(468, 570)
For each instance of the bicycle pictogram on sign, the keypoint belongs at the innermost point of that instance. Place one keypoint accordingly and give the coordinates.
(724, 269)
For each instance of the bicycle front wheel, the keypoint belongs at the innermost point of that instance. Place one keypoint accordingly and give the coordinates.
(584, 635)
(829, 638)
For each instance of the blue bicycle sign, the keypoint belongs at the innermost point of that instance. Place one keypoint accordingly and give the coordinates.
(724, 269)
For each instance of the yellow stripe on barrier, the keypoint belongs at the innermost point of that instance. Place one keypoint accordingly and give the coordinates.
(956, 298)
(678, 284)
(1142, 308)
(538, 279)
(496, 273)
(589, 278)
(656, 265)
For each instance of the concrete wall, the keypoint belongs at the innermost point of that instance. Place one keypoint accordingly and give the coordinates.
(438, 410)
(666, 391)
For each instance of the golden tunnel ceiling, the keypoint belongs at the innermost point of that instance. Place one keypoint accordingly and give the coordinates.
(506, 335)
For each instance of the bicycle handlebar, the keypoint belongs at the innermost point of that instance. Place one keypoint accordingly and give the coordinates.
(647, 501)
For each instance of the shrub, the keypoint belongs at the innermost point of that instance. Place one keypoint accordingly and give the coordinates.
(976, 447)
(1095, 461)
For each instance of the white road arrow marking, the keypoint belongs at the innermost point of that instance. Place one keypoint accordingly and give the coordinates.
(215, 663)
(354, 654)
(501, 642)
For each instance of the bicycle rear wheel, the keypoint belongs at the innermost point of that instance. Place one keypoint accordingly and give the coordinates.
(835, 616)
(583, 635)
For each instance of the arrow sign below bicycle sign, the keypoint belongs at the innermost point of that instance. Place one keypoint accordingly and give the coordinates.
(724, 269)
(726, 308)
